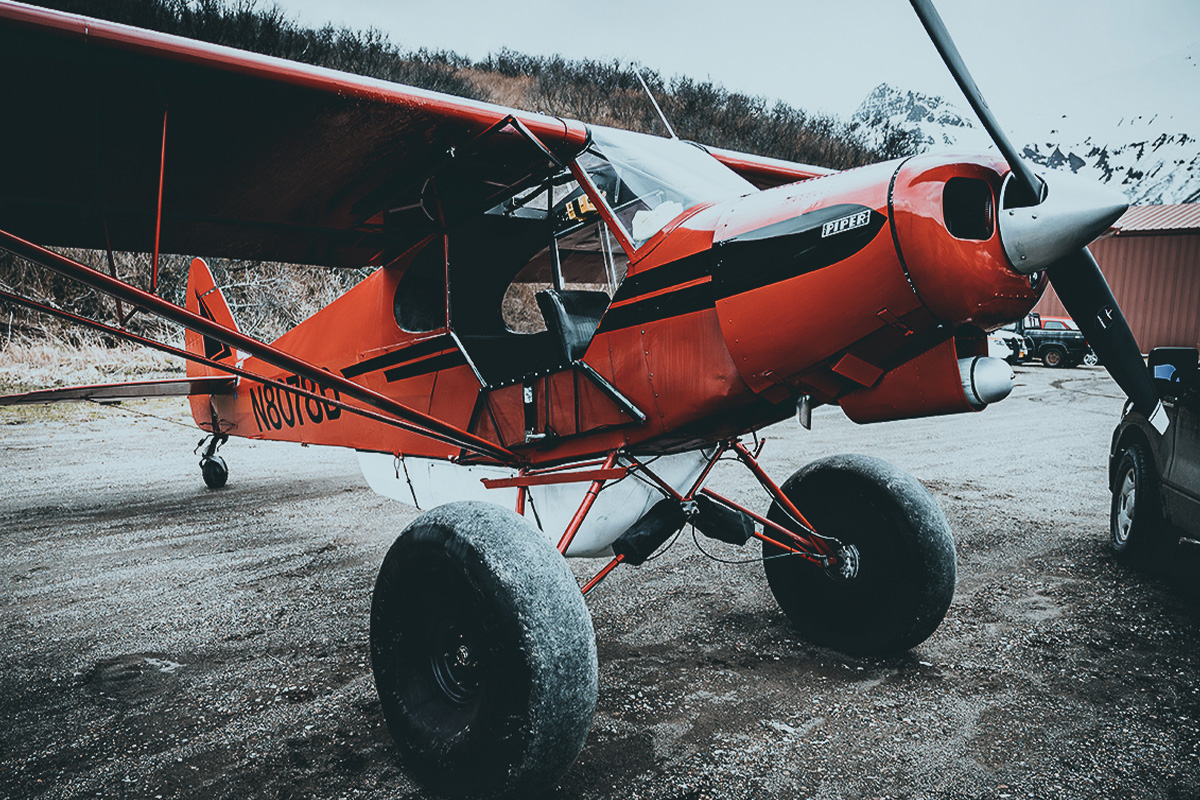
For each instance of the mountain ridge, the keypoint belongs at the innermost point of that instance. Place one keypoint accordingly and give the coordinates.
(1148, 157)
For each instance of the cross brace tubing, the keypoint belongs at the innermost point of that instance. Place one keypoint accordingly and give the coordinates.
(812, 548)
(271, 355)
(121, 333)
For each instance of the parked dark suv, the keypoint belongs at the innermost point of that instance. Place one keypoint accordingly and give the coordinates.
(1155, 477)
(1057, 341)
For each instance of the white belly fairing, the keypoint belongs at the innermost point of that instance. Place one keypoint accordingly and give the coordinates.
(426, 483)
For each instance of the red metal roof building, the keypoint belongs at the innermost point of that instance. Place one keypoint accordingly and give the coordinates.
(1151, 258)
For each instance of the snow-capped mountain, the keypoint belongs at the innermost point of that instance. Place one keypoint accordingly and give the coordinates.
(933, 123)
(1151, 158)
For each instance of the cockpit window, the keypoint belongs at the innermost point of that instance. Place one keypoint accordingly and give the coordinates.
(582, 254)
(531, 279)
(649, 181)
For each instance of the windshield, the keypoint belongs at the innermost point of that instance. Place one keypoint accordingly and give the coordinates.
(649, 181)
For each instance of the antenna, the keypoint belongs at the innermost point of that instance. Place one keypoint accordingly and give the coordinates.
(638, 71)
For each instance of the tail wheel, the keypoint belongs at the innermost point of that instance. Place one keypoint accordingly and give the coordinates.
(214, 471)
(1135, 518)
(906, 571)
(483, 653)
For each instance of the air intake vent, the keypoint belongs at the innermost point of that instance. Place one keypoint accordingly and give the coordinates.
(968, 208)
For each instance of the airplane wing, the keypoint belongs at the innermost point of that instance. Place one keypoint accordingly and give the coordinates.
(129, 390)
(261, 158)
(765, 172)
(257, 157)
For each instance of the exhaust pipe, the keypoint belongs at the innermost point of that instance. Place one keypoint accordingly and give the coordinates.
(985, 380)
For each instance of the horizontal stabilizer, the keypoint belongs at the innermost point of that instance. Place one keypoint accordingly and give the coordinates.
(131, 390)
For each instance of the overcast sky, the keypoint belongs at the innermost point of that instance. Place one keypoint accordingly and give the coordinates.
(1031, 58)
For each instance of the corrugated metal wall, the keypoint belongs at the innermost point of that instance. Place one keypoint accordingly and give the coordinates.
(1156, 279)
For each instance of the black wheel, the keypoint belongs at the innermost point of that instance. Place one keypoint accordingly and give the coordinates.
(906, 571)
(1135, 519)
(483, 653)
(1054, 356)
(215, 472)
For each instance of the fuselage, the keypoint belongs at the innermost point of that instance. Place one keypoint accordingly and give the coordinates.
(864, 288)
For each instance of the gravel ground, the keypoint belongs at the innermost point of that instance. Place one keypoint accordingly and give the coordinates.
(162, 640)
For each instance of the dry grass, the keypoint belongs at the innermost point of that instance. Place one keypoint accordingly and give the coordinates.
(512, 91)
(43, 364)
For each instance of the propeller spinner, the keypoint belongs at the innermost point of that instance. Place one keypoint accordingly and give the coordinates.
(1045, 223)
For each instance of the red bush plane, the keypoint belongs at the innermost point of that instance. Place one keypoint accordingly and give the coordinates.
(569, 326)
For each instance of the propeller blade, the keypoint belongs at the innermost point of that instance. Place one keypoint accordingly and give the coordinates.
(1085, 294)
(1075, 275)
(1029, 187)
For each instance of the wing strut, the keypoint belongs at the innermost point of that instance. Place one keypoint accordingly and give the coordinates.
(415, 420)
(153, 344)
(162, 170)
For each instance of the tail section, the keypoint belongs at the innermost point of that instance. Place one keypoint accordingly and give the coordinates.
(205, 299)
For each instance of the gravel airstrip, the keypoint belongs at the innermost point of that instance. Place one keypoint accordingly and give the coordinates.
(162, 641)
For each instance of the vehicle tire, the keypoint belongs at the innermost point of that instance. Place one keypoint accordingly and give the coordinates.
(1054, 356)
(1090, 359)
(214, 471)
(483, 653)
(906, 559)
(1135, 516)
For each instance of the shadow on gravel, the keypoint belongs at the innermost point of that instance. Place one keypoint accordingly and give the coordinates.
(1180, 571)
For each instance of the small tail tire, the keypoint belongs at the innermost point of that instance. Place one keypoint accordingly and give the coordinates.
(483, 653)
(906, 559)
(214, 471)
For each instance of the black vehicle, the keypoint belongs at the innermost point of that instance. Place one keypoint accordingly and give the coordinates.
(1155, 477)
(1057, 341)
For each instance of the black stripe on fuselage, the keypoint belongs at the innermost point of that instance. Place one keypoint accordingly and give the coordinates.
(400, 356)
(661, 306)
(751, 260)
(793, 247)
(664, 276)
(454, 358)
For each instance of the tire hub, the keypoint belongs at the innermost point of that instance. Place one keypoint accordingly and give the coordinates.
(453, 664)
(847, 564)
(1126, 503)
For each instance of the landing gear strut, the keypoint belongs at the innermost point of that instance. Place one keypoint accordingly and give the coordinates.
(212, 466)
(870, 566)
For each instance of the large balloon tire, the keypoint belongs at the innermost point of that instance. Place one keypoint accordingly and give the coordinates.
(907, 567)
(511, 716)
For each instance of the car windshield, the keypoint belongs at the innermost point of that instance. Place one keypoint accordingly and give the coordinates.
(649, 180)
